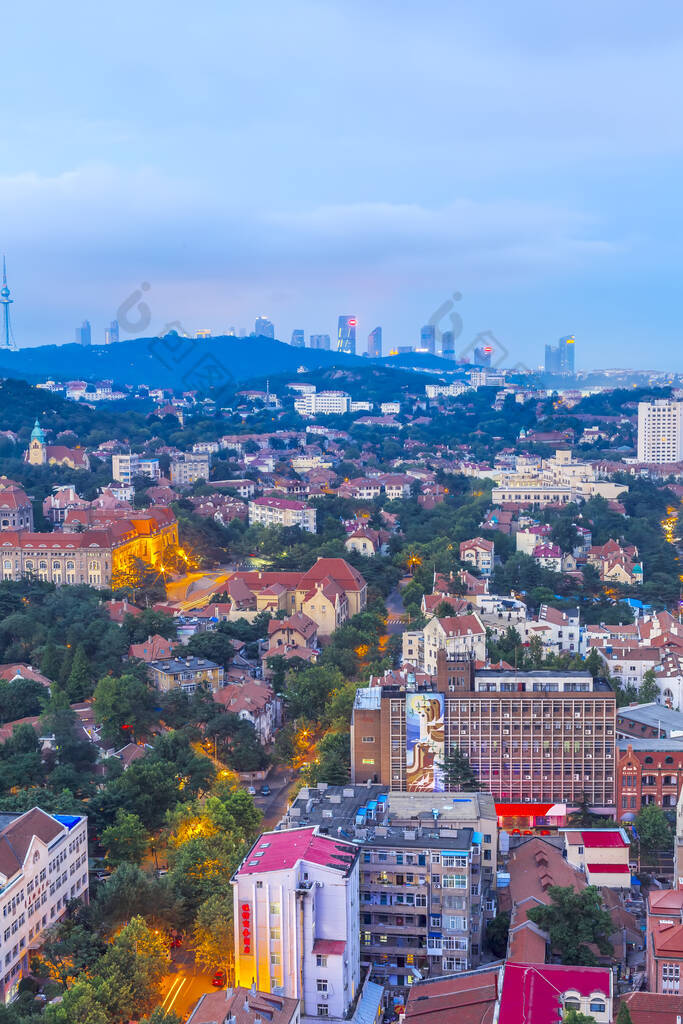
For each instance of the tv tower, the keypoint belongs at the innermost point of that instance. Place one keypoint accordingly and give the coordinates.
(7, 335)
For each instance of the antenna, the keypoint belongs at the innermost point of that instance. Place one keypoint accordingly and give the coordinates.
(7, 334)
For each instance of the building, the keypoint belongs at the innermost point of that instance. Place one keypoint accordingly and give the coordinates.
(448, 344)
(482, 356)
(263, 327)
(84, 334)
(424, 894)
(649, 771)
(346, 335)
(445, 390)
(560, 358)
(652, 1008)
(649, 721)
(93, 556)
(540, 742)
(39, 453)
(186, 674)
(296, 899)
(368, 542)
(543, 993)
(111, 333)
(602, 855)
(456, 635)
(297, 633)
(664, 941)
(298, 339)
(154, 648)
(58, 504)
(282, 512)
(190, 467)
(254, 702)
(375, 343)
(245, 1006)
(478, 553)
(322, 403)
(16, 509)
(43, 865)
(319, 341)
(428, 338)
(124, 468)
(660, 431)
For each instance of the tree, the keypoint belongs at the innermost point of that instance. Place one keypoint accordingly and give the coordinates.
(576, 1017)
(458, 772)
(652, 828)
(70, 949)
(161, 1016)
(125, 840)
(124, 707)
(79, 683)
(213, 932)
(649, 690)
(575, 921)
(624, 1015)
(497, 934)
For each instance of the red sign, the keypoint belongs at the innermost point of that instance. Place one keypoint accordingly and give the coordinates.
(245, 911)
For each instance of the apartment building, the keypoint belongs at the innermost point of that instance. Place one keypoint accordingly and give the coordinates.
(296, 897)
(479, 554)
(189, 467)
(186, 674)
(283, 512)
(43, 865)
(649, 771)
(456, 635)
(425, 891)
(540, 742)
(664, 941)
(125, 467)
(660, 431)
(322, 403)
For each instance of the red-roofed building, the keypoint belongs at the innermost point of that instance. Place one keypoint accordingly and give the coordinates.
(153, 648)
(664, 941)
(654, 1008)
(294, 890)
(462, 998)
(602, 854)
(479, 553)
(541, 993)
(282, 512)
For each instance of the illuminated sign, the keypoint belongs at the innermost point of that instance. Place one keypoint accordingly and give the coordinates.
(351, 323)
(245, 912)
(425, 742)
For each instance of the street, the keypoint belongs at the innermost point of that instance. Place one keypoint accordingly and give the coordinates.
(281, 781)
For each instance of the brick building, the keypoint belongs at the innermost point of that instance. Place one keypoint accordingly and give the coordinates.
(648, 772)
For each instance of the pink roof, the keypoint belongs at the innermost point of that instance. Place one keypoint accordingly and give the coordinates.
(609, 869)
(329, 947)
(602, 839)
(531, 992)
(281, 850)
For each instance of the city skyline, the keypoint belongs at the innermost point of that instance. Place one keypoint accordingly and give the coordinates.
(545, 222)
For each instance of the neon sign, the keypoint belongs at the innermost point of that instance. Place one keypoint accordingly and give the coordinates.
(245, 911)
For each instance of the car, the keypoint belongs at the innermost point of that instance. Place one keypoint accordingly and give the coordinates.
(219, 978)
(265, 790)
(251, 790)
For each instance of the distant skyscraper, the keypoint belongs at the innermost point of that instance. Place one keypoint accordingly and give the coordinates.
(375, 343)
(263, 327)
(111, 333)
(346, 335)
(319, 341)
(7, 336)
(482, 356)
(560, 358)
(448, 344)
(84, 334)
(298, 340)
(428, 337)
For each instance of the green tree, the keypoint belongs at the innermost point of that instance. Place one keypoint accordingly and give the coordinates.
(575, 921)
(213, 932)
(69, 949)
(648, 690)
(161, 1016)
(123, 706)
(126, 840)
(79, 683)
(497, 934)
(458, 772)
(624, 1015)
(576, 1017)
(652, 828)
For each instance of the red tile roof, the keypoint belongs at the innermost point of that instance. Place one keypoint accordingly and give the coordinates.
(609, 869)
(611, 838)
(532, 992)
(468, 999)
(281, 850)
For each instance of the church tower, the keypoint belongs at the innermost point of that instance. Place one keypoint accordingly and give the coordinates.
(37, 454)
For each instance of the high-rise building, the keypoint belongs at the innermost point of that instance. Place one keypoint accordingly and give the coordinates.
(296, 900)
(375, 343)
(428, 338)
(319, 341)
(346, 335)
(560, 358)
(111, 333)
(298, 339)
(7, 340)
(448, 345)
(541, 742)
(482, 356)
(660, 431)
(263, 327)
(84, 334)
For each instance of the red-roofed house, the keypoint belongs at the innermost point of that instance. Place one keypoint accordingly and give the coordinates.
(456, 635)
(654, 1008)
(294, 890)
(153, 648)
(479, 553)
(254, 702)
(602, 854)
(539, 993)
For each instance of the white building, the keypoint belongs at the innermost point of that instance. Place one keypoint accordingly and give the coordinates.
(189, 467)
(43, 865)
(660, 431)
(283, 512)
(322, 403)
(125, 467)
(390, 408)
(448, 390)
(296, 905)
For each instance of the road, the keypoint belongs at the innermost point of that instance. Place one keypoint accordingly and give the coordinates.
(281, 781)
(184, 984)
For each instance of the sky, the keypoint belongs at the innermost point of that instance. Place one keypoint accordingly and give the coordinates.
(303, 160)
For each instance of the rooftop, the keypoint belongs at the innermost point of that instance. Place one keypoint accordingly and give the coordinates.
(278, 851)
(656, 716)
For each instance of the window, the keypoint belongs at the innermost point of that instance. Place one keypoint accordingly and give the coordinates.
(275, 934)
(597, 1006)
(320, 961)
(321, 984)
(275, 959)
(322, 1010)
(274, 909)
(368, 760)
(368, 739)
(572, 1004)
